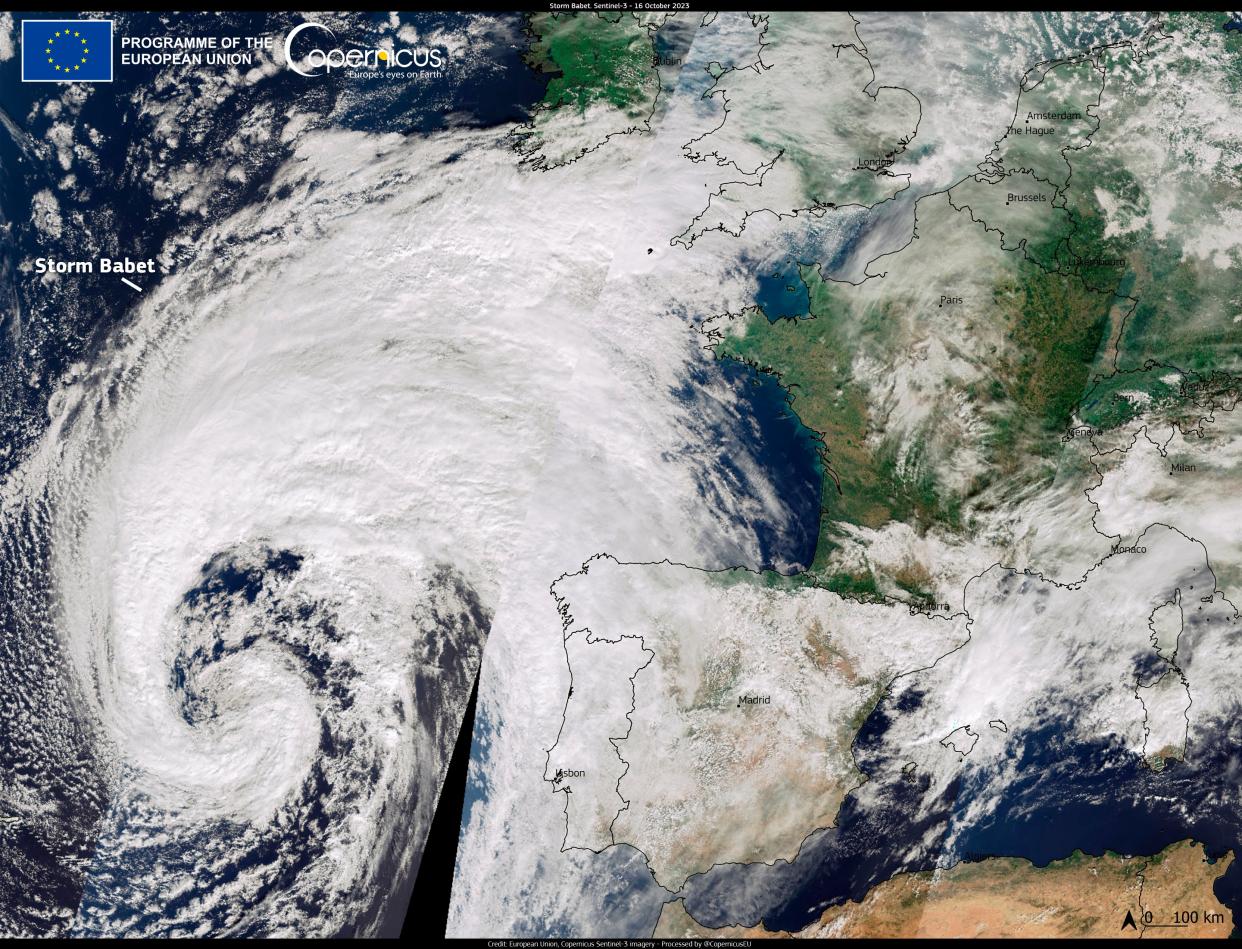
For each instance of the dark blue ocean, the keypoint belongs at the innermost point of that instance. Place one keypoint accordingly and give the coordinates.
(1094, 797)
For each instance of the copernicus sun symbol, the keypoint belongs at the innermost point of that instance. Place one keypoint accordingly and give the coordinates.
(67, 51)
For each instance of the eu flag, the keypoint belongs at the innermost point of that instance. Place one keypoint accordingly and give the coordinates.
(66, 50)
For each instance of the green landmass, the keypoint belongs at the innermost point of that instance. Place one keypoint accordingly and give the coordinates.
(597, 57)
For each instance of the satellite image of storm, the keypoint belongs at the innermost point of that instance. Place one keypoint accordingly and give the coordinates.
(620, 472)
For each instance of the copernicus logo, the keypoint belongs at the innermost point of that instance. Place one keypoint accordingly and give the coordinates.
(318, 52)
(66, 50)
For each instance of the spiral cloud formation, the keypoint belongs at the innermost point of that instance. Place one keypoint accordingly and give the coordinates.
(280, 508)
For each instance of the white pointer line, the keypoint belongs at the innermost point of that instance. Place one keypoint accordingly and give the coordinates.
(131, 283)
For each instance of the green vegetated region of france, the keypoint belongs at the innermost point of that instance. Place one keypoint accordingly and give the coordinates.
(1100, 307)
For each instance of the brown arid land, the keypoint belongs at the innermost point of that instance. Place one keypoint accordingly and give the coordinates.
(1167, 895)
